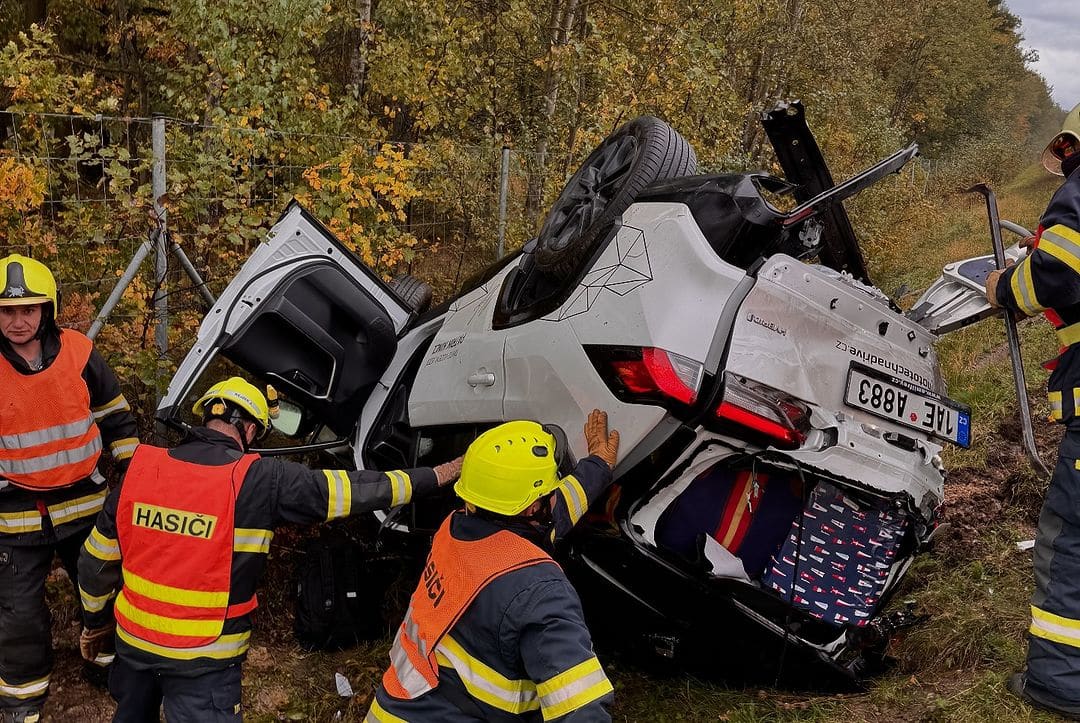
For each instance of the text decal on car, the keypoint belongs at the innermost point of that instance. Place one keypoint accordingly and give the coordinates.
(445, 350)
(871, 358)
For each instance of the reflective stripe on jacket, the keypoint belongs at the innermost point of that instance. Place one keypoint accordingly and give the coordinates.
(175, 527)
(48, 436)
(455, 573)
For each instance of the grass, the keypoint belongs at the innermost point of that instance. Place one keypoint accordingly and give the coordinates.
(987, 628)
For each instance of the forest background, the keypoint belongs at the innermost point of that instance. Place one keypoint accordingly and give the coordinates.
(386, 118)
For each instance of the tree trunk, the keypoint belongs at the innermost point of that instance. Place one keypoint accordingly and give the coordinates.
(562, 17)
(358, 41)
(35, 11)
(750, 122)
(907, 88)
(770, 79)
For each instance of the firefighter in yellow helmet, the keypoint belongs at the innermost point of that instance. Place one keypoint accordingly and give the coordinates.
(1063, 147)
(1047, 280)
(178, 550)
(61, 406)
(494, 631)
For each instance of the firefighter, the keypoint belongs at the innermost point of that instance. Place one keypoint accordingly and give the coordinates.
(61, 405)
(180, 546)
(494, 630)
(1048, 280)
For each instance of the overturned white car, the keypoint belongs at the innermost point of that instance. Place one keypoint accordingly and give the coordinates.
(781, 420)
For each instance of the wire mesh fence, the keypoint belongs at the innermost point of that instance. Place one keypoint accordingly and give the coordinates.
(80, 196)
(69, 198)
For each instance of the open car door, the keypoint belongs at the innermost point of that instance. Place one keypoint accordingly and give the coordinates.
(303, 315)
(958, 298)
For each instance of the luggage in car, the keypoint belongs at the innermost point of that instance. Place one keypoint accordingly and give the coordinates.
(746, 511)
(837, 567)
(340, 592)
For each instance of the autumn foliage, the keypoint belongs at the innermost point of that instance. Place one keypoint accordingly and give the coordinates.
(386, 118)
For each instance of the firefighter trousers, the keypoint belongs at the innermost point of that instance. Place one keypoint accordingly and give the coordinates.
(212, 697)
(26, 655)
(1053, 663)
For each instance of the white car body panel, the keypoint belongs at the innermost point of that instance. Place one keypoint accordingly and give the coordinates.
(798, 330)
(562, 389)
(637, 293)
(801, 326)
(450, 386)
(657, 284)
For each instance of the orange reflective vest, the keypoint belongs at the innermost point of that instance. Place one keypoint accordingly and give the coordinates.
(48, 437)
(455, 573)
(174, 523)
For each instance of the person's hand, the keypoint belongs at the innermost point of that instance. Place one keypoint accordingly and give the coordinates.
(95, 641)
(991, 288)
(447, 472)
(992, 281)
(1028, 242)
(601, 443)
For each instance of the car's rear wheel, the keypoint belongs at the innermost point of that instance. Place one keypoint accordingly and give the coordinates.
(640, 152)
(413, 292)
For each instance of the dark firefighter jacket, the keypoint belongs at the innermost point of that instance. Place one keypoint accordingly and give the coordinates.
(36, 517)
(521, 651)
(1049, 279)
(274, 491)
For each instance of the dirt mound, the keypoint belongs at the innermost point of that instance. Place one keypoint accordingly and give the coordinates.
(978, 497)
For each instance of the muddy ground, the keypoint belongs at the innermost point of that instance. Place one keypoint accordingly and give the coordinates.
(977, 497)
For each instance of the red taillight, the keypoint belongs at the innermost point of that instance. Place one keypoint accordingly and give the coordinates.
(766, 426)
(649, 373)
(634, 376)
(763, 410)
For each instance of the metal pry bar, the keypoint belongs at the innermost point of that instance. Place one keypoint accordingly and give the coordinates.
(1012, 334)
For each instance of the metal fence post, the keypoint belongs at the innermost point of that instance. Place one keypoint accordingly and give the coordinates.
(114, 298)
(161, 258)
(504, 187)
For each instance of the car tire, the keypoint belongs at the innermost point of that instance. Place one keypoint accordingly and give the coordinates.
(414, 292)
(641, 152)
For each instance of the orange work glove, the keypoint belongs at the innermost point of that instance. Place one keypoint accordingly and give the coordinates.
(601, 443)
(991, 288)
(447, 472)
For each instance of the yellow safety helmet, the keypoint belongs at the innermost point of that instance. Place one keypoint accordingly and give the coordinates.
(24, 281)
(1064, 144)
(508, 468)
(240, 393)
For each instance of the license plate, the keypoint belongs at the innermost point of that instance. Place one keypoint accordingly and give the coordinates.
(904, 403)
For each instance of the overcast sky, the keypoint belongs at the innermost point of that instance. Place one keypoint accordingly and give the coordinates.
(1050, 27)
